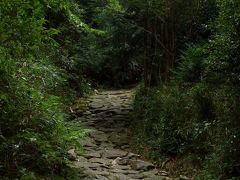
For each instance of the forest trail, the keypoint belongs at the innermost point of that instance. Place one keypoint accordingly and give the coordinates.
(107, 154)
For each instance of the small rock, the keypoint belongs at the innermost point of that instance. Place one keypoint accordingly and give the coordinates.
(115, 161)
(141, 165)
(125, 147)
(120, 161)
(162, 173)
(72, 155)
(132, 155)
(82, 159)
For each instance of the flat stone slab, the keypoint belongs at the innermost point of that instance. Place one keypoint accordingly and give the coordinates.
(92, 155)
(100, 160)
(141, 165)
(88, 142)
(114, 153)
(121, 167)
(96, 105)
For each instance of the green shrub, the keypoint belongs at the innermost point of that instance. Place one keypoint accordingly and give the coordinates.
(172, 120)
(33, 136)
(191, 66)
(191, 117)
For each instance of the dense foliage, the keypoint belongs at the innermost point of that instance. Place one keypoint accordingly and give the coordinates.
(196, 112)
(33, 136)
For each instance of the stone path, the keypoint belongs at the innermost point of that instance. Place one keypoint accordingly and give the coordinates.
(107, 153)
